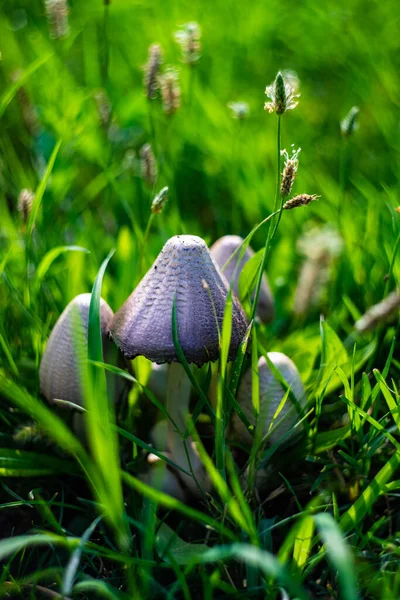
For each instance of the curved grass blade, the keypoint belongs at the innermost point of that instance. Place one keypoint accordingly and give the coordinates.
(73, 563)
(339, 554)
(23, 463)
(41, 189)
(10, 92)
(48, 259)
(100, 422)
(263, 560)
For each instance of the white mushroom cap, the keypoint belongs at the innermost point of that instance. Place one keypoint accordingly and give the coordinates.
(221, 251)
(59, 372)
(185, 269)
(271, 394)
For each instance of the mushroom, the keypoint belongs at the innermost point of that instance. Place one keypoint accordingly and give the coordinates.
(158, 381)
(186, 271)
(271, 394)
(162, 478)
(59, 370)
(221, 251)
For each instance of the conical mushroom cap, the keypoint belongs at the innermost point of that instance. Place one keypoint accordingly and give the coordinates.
(221, 251)
(59, 372)
(185, 268)
(271, 394)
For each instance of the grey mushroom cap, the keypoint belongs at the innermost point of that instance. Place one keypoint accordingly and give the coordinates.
(59, 372)
(271, 394)
(221, 251)
(186, 270)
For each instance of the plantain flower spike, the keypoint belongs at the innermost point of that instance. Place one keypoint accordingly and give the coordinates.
(57, 16)
(240, 110)
(170, 91)
(151, 71)
(350, 123)
(282, 93)
(159, 201)
(290, 170)
(300, 200)
(25, 202)
(188, 37)
(148, 165)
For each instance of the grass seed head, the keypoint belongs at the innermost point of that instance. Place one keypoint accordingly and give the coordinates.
(159, 201)
(282, 93)
(170, 91)
(148, 165)
(300, 200)
(151, 71)
(57, 16)
(350, 123)
(103, 105)
(25, 202)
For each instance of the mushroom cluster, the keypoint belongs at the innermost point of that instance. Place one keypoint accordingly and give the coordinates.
(183, 296)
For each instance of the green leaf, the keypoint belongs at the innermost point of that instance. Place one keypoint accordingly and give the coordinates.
(303, 542)
(329, 439)
(333, 355)
(248, 275)
(169, 544)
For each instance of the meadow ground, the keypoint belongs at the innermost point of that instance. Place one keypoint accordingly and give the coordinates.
(76, 519)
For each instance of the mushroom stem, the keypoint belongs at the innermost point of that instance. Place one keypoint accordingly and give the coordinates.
(178, 395)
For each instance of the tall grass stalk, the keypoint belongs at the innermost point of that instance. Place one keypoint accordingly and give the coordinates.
(273, 226)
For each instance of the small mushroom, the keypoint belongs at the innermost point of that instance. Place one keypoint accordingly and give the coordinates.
(221, 251)
(60, 376)
(162, 478)
(158, 381)
(271, 394)
(186, 271)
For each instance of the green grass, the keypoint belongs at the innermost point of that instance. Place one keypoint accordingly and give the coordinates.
(77, 521)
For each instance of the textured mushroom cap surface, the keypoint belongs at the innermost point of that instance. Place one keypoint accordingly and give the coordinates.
(221, 251)
(59, 371)
(271, 394)
(185, 268)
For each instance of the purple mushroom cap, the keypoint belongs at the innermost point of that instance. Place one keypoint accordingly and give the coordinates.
(186, 270)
